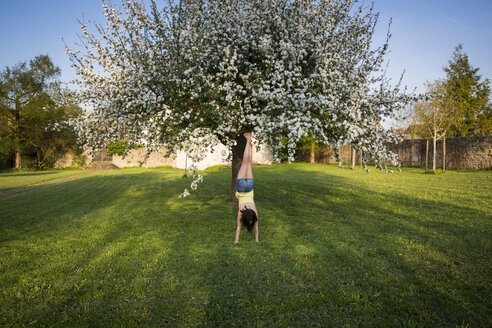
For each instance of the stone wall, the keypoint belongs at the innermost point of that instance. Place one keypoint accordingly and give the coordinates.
(461, 152)
(327, 155)
(139, 157)
(64, 161)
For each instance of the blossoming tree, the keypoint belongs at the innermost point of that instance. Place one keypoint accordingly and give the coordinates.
(172, 75)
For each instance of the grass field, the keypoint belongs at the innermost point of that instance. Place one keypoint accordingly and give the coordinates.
(20, 179)
(338, 248)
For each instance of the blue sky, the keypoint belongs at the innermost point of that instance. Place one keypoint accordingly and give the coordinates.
(424, 33)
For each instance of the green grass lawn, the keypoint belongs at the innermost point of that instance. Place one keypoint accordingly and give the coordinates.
(21, 178)
(338, 248)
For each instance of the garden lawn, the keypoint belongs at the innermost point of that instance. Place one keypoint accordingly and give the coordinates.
(17, 179)
(338, 248)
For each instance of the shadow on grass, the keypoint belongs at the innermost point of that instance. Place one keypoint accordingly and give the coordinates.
(123, 250)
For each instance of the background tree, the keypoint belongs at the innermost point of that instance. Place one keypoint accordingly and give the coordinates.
(47, 134)
(437, 115)
(404, 120)
(19, 86)
(33, 109)
(471, 96)
(193, 69)
(6, 148)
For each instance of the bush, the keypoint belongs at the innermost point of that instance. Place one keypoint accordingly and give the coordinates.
(117, 148)
(120, 147)
(79, 160)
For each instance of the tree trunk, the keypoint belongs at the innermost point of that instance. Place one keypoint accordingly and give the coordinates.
(444, 154)
(313, 160)
(38, 162)
(18, 163)
(426, 154)
(353, 157)
(17, 119)
(434, 155)
(237, 158)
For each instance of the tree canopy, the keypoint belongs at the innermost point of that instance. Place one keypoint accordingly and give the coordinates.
(34, 110)
(170, 76)
(435, 116)
(470, 95)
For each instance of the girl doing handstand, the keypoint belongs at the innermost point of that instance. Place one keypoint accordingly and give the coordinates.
(247, 214)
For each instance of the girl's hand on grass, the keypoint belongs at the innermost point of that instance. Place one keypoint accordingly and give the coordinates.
(236, 241)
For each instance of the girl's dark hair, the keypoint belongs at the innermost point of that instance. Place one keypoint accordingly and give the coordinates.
(248, 217)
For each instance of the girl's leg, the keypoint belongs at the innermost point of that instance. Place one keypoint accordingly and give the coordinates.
(249, 173)
(245, 171)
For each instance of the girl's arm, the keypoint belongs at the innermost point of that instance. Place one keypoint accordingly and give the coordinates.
(256, 232)
(238, 229)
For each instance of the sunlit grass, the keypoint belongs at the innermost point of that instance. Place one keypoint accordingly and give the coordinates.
(338, 248)
(15, 179)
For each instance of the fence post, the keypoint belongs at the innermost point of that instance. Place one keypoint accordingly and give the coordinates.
(444, 154)
(426, 154)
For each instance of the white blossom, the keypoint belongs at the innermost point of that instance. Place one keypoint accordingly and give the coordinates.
(176, 74)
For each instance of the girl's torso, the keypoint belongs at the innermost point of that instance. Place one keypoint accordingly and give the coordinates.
(245, 194)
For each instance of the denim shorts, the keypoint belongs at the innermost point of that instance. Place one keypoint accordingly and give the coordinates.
(244, 185)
